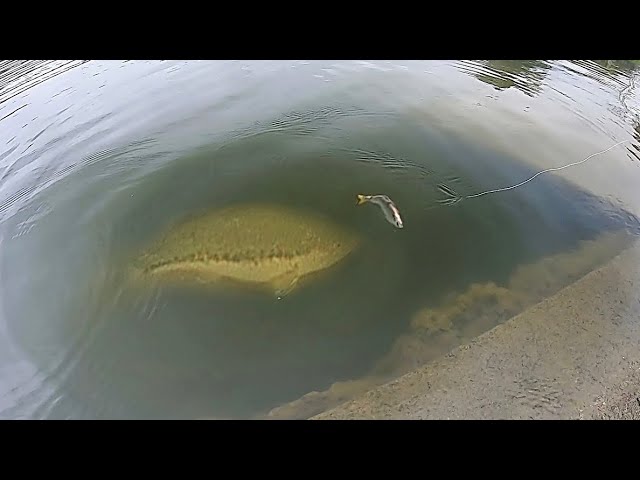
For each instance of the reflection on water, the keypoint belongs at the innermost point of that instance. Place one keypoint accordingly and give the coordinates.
(92, 172)
(634, 149)
(525, 75)
(17, 76)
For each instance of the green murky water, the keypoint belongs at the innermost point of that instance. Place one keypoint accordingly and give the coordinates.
(98, 158)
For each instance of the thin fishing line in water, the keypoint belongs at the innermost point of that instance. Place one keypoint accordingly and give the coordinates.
(455, 198)
(392, 213)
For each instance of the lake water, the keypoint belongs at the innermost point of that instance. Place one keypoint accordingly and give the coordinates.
(98, 158)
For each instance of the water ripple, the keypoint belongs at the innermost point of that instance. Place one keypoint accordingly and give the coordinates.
(528, 76)
(188, 135)
(18, 76)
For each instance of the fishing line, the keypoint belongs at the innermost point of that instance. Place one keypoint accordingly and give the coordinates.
(454, 197)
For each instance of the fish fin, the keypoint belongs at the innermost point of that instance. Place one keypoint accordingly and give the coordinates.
(285, 284)
(361, 199)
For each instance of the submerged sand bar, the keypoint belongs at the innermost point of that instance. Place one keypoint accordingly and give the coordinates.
(574, 355)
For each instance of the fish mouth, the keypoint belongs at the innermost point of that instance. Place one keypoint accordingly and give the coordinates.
(360, 199)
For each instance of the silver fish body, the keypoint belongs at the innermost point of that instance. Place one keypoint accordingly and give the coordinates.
(388, 207)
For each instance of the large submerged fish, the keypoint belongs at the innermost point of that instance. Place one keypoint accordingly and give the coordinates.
(266, 246)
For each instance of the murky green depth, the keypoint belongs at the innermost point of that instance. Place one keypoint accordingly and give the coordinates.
(101, 175)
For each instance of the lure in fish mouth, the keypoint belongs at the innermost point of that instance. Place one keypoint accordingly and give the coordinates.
(388, 207)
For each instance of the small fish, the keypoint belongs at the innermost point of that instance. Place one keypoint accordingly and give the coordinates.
(391, 212)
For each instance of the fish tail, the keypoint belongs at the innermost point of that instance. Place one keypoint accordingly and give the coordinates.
(361, 199)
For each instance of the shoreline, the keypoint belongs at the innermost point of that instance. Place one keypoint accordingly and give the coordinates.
(574, 355)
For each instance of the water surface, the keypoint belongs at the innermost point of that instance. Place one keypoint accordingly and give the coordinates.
(97, 158)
